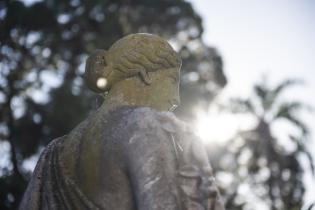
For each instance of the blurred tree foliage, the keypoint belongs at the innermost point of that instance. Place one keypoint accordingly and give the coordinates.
(43, 49)
(265, 168)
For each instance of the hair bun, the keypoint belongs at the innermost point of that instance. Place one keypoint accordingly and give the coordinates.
(95, 71)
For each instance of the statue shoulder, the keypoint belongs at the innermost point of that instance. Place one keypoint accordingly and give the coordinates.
(144, 125)
(146, 118)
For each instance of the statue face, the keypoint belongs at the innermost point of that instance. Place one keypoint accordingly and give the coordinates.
(165, 90)
(174, 98)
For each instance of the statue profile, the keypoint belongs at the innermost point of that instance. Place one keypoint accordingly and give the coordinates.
(132, 153)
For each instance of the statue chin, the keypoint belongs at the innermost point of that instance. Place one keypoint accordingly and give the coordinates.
(172, 108)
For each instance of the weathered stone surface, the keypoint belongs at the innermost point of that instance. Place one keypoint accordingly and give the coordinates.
(131, 154)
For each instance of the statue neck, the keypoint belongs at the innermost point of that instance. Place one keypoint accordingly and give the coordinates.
(131, 92)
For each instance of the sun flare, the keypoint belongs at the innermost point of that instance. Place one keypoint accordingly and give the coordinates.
(215, 127)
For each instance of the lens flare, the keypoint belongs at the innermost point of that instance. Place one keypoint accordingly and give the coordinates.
(101, 83)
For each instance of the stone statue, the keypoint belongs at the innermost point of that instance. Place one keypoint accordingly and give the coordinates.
(132, 153)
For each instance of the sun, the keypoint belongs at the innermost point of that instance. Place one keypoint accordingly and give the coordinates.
(218, 127)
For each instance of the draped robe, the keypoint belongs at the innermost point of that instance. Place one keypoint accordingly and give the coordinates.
(132, 158)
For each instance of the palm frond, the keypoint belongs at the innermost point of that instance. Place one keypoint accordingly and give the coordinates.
(261, 91)
(295, 121)
(310, 207)
(311, 161)
(288, 111)
(303, 149)
(289, 108)
(265, 96)
(238, 105)
(284, 85)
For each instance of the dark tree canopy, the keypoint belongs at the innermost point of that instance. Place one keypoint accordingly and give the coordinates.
(44, 45)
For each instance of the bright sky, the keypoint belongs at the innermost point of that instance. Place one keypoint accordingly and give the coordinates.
(270, 37)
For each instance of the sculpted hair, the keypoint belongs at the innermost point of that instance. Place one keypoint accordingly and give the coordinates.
(133, 55)
(145, 51)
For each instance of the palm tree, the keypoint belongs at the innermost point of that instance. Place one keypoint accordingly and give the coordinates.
(262, 161)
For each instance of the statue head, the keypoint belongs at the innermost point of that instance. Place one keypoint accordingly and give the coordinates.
(140, 69)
